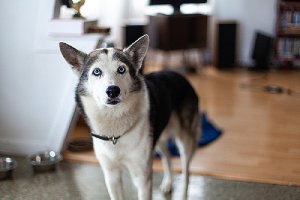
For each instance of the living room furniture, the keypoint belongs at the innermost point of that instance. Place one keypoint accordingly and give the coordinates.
(131, 32)
(287, 41)
(225, 38)
(177, 31)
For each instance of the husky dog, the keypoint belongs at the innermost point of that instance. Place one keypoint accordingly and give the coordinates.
(130, 114)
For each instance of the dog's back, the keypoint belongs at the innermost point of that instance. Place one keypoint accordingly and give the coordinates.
(170, 92)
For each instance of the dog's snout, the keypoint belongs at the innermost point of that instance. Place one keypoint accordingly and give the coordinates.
(113, 91)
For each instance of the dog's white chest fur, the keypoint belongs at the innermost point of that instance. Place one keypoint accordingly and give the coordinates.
(130, 121)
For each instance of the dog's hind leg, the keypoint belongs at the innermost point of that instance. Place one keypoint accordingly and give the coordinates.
(186, 142)
(186, 152)
(172, 127)
(166, 184)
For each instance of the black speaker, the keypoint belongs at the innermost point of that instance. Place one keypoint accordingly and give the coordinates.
(262, 50)
(225, 53)
(131, 32)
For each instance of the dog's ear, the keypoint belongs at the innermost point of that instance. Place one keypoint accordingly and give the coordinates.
(138, 50)
(73, 56)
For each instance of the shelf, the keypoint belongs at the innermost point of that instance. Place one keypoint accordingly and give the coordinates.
(288, 59)
(288, 34)
(287, 39)
(291, 29)
(290, 5)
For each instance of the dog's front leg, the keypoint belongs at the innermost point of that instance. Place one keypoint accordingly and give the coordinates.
(142, 178)
(144, 187)
(113, 181)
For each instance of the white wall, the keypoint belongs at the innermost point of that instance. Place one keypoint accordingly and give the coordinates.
(17, 65)
(36, 85)
(114, 13)
(252, 15)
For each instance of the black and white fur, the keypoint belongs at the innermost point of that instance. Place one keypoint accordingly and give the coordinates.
(145, 111)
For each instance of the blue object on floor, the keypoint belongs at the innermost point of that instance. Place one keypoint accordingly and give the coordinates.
(209, 134)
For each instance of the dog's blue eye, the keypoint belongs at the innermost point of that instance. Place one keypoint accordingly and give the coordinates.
(97, 72)
(121, 70)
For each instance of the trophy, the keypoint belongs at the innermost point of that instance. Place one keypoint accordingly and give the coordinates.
(76, 5)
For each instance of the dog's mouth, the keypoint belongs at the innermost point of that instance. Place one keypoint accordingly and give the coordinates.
(113, 101)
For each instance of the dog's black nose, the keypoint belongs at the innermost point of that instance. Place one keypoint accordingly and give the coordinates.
(113, 91)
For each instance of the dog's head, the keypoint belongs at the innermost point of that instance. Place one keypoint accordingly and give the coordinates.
(108, 75)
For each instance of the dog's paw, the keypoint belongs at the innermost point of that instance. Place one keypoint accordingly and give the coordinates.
(166, 186)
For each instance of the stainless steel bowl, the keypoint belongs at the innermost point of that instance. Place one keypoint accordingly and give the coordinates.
(7, 165)
(45, 161)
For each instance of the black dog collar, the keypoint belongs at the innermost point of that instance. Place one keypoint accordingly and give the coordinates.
(106, 138)
(114, 139)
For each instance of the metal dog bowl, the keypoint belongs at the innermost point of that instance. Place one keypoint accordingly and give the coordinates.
(45, 161)
(7, 165)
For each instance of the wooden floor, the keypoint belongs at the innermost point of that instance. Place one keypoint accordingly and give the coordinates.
(261, 139)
